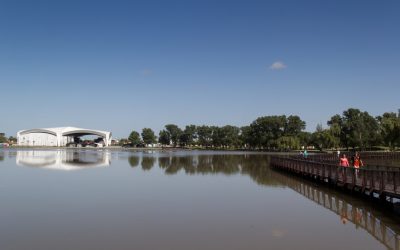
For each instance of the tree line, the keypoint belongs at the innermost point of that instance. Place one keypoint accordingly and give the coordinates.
(352, 129)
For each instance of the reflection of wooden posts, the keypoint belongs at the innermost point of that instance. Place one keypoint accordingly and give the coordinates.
(349, 212)
(365, 218)
(363, 183)
(373, 221)
(330, 201)
(383, 233)
(372, 182)
(337, 175)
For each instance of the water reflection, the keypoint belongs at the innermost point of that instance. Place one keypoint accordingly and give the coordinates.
(254, 165)
(62, 159)
(148, 162)
(383, 226)
(133, 161)
(349, 209)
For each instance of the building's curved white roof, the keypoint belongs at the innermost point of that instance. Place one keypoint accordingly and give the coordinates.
(64, 130)
(60, 133)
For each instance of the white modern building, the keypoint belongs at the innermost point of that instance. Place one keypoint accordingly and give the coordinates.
(58, 137)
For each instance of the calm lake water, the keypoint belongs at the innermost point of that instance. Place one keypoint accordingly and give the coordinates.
(89, 199)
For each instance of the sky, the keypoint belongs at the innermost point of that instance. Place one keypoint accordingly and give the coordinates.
(125, 65)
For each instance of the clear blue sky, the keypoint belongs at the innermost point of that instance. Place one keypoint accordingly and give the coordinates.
(123, 65)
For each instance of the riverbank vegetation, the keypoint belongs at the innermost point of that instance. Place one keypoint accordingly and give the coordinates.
(353, 129)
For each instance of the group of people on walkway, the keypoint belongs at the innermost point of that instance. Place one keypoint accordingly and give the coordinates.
(355, 161)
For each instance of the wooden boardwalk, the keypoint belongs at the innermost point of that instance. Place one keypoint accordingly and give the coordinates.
(380, 180)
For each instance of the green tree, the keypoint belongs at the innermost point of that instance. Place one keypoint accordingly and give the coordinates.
(134, 138)
(322, 138)
(123, 141)
(3, 138)
(164, 137)
(148, 136)
(294, 125)
(288, 143)
(305, 138)
(230, 136)
(267, 130)
(247, 139)
(337, 131)
(12, 139)
(174, 133)
(360, 129)
(216, 136)
(188, 136)
(204, 134)
(389, 124)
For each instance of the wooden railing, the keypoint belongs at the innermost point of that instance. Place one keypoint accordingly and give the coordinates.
(383, 180)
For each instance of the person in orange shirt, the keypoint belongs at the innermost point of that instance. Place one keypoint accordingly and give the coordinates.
(357, 162)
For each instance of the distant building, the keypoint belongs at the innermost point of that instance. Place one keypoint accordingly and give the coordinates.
(58, 137)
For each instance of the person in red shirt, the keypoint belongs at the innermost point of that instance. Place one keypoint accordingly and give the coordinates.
(344, 162)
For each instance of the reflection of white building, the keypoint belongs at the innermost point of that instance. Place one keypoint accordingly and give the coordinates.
(63, 159)
(57, 137)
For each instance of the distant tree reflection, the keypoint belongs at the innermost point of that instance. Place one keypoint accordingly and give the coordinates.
(148, 162)
(133, 161)
(254, 165)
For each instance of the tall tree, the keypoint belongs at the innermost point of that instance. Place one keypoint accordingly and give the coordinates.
(268, 129)
(337, 131)
(148, 136)
(288, 143)
(3, 138)
(247, 139)
(204, 135)
(390, 129)
(134, 138)
(360, 129)
(294, 125)
(230, 136)
(174, 133)
(322, 138)
(164, 137)
(188, 135)
(305, 138)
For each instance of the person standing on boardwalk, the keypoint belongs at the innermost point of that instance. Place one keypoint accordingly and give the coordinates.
(357, 162)
(344, 162)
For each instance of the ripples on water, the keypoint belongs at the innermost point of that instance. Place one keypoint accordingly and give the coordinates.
(90, 199)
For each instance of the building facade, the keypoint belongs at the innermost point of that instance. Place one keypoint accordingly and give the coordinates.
(58, 137)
